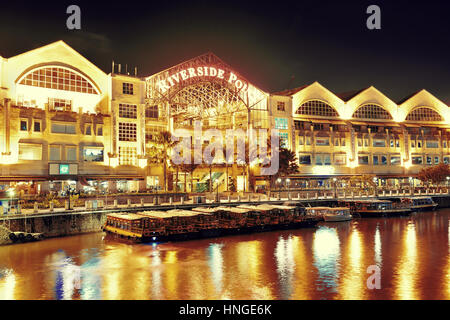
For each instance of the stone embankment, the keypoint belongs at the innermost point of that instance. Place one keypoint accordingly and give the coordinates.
(4, 235)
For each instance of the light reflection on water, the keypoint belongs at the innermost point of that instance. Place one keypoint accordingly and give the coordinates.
(328, 262)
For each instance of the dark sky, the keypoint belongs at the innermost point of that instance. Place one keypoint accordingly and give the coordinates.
(268, 42)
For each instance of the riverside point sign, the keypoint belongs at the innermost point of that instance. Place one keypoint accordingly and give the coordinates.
(202, 73)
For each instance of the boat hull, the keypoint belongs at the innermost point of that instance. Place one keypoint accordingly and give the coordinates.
(211, 233)
(337, 218)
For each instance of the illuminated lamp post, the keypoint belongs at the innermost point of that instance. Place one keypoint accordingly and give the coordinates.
(375, 180)
(11, 195)
(335, 188)
(448, 178)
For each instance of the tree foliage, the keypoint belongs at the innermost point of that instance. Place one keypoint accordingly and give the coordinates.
(435, 174)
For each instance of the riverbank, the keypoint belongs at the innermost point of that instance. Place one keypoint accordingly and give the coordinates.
(63, 222)
(4, 236)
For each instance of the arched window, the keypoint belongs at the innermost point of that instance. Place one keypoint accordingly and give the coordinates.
(372, 111)
(316, 108)
(58, 78)
(424, 114)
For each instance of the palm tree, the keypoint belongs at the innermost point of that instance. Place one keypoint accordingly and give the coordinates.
(160, 151)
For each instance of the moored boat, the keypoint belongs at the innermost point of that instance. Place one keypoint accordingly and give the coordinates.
(420, 203)
(376, 208)
(338, 214)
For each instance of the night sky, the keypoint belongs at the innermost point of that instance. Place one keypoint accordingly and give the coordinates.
(268, 42)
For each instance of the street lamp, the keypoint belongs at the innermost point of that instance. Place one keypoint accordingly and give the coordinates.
(335, 188)
(11, 195)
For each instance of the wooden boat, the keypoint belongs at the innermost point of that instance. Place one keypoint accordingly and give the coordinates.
(232, 220)
(420, 203)
(376, 208)
(156, 226)
(128, 225)
(258, 217)
(207, 222)
(338, 214)
(183, 225)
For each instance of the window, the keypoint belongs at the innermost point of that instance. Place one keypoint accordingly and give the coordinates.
(304, 159)
(55, 153)
(379, 143)
(127, 131)
(375, 160)
(424, 114)
(99, 130)
(416, 160)
(59, 104)
(316, 108)
(127, 88)
(93, 154)
(413, 143)
(336, 142)
(281, 123)
(301, 140)
(419, 144)
(88, 129)
(340, 159)
(429, 160)
(397, 143)
(444, 144)
(343, 142)
(432, 144)
(326, 160)
(29, 151)
(128, 111)
(372, 111)
(308, 141)
(23, 125)
(322, 141)
(127, 156)
(63, 128)
(71, 153)
(280, 106)
(318, 159)
(436, 159)
(37, 126)
(283, 139)
(152, 112)
(383, 160)
(447, 160)
(363, 159)
(58, 78)
(391, 143)
(395, 160)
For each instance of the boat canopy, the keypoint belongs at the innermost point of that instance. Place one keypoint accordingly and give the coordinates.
(126, 216)
(235, 210)
(206, 210)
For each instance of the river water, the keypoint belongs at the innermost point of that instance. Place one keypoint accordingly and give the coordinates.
(327, 262)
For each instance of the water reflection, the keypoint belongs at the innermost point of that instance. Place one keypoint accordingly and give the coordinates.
(326, 251)
(328, 262)
(285, 265)
(354, 273)
(407, 265)
(377, 247)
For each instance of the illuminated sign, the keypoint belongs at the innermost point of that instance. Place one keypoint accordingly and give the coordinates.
(63, 169)
(58, 169)
(202, 72)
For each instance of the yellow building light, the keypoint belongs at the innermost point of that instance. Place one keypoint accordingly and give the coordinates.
(113, 162)
(407, 163)
(142, 163)
(323, 170)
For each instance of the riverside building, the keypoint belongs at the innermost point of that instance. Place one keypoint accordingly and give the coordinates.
(64, 122)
